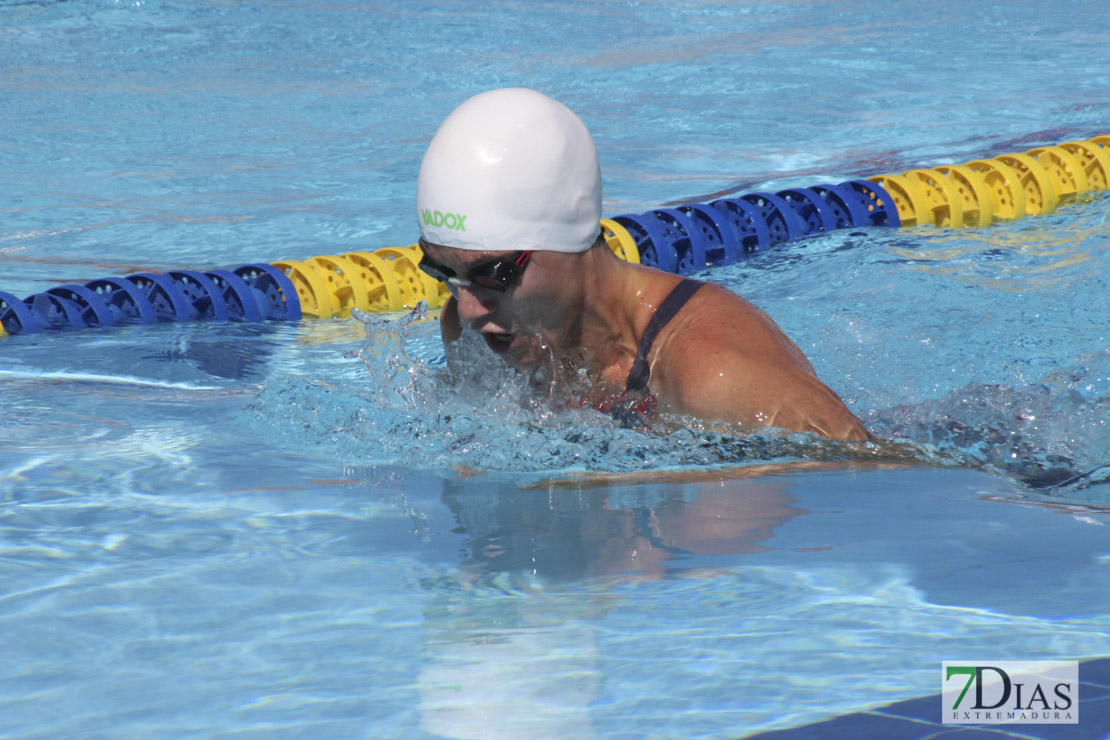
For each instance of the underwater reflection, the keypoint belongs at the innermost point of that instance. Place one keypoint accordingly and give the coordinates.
(512, 645)
(559, 534)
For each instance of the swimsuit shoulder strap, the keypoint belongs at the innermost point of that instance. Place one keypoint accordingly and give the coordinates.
(640, 374)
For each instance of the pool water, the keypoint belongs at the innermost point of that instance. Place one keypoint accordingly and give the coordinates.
(309, 530)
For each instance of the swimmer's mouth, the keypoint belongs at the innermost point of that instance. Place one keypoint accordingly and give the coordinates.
(499, 342)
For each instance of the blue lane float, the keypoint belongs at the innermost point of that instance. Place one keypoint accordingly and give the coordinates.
(691, 237)
(683, 239)
(245, 293)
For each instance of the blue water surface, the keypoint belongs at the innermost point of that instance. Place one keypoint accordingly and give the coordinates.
(307, 530)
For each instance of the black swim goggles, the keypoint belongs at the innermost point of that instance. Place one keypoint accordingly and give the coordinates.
(497, 274)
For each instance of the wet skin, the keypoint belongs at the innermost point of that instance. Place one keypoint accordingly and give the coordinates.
(719, 359)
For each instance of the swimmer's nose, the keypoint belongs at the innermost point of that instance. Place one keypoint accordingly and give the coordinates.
(474, 303)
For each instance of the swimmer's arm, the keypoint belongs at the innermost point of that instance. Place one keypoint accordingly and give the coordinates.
(450, 328)
(738, 390)
(745, 370)
(728, 361)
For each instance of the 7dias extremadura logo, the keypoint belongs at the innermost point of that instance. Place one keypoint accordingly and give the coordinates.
(1020, 692)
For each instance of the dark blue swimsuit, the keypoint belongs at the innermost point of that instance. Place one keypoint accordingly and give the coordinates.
(634, 406)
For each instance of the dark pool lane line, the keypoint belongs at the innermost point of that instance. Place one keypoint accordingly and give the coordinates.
(919, 719)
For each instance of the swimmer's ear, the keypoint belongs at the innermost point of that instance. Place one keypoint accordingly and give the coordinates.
(450, 328)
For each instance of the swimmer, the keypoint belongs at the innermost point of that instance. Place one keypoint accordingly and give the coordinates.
(509, 204)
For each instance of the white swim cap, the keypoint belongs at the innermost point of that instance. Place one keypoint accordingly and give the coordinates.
(510, 169)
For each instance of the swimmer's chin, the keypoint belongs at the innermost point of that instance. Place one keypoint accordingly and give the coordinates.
(521, 351)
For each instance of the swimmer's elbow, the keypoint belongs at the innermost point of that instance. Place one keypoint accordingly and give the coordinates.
(847, 430)
(826, 414)
(828, 420)
(858, 433)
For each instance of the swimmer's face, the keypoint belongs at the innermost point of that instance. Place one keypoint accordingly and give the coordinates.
(533, 316)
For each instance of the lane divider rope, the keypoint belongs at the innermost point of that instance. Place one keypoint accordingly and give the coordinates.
(682, 239)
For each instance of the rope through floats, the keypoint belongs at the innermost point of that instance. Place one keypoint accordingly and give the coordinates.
(683, 239)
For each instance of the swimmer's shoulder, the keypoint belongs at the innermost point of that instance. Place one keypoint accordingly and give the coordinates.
(716, 319)
(724, 359)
